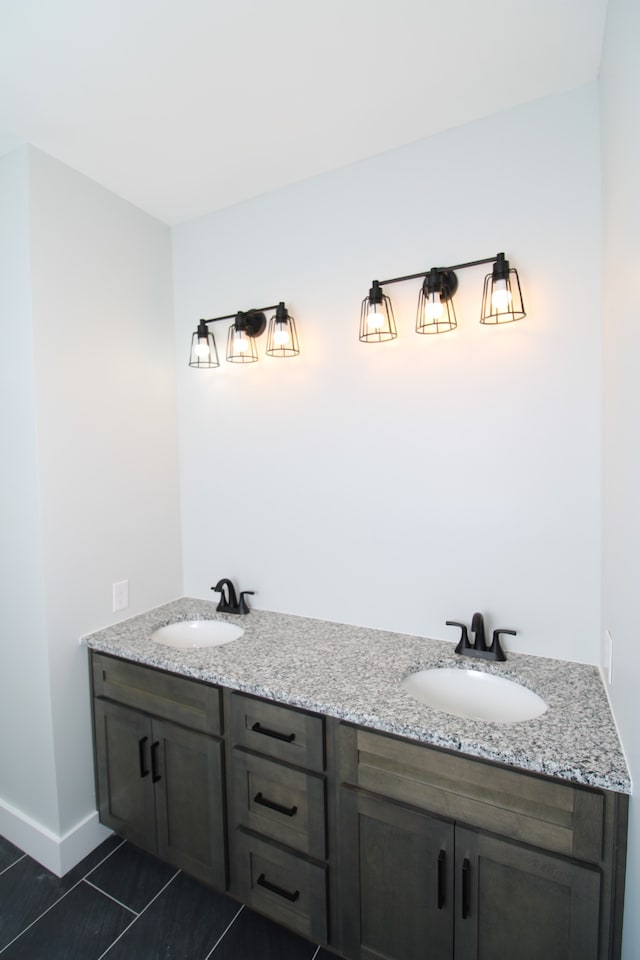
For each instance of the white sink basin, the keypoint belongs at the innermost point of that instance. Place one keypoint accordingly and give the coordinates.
(474, 695)
(197, 633)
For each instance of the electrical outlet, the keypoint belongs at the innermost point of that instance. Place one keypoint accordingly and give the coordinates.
(608, 656)
(120, 595)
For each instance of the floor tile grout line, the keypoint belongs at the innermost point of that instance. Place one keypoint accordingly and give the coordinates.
(104, 860)
(56, 902)
(4, 870)
(109, 897)
(135, 920)
(41, 915)
(223, 934)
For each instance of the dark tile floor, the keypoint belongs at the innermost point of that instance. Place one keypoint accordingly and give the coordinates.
(122, 904)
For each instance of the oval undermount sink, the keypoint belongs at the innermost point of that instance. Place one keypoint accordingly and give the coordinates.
(474, 695)
(197, 633)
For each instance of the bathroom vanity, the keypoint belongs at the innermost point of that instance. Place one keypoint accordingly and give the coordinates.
(291, 770)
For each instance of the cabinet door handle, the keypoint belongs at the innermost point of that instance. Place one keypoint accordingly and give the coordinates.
(280, 891)
(287, 737)
(466, 893)
(155, 776)
(144, 770)
(287, 811)
(442, 878)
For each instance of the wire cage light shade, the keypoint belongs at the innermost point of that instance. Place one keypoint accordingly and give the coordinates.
(502, 296)
(436, 312)
(377, 322)
(204, 354)
(241, 344)
(282, 337)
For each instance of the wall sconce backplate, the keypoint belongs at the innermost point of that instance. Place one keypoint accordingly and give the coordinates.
(255, 323)
(449, 282)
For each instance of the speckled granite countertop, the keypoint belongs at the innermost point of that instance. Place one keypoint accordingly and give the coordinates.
(354, 673)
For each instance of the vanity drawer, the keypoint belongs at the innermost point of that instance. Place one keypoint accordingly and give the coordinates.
(279, 802)
(281, 732)
(549, 814)
(287, 887)
(190, 703)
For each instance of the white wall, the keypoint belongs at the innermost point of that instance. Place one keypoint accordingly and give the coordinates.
(107, 506)
(620, 102)
(102, 308)
(400, 485)
(27, 770)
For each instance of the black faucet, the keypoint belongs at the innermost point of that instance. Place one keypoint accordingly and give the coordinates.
(479, 646)
(229, 602)
(477, 629)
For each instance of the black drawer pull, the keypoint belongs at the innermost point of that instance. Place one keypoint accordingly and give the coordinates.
(144, 770)
(442, 878)
(155, 776)
(466, 877)
(263, 882)
(287, 811)
(287, 737)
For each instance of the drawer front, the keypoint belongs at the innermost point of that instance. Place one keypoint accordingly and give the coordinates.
(556, 816)
(285, 886)
(278, 731)
(188, 702)
(279, 802)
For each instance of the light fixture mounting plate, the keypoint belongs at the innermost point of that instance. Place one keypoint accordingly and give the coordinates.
(449, 284)
(256, 323)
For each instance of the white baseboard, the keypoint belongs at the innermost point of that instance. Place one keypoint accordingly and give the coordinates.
(57, 853)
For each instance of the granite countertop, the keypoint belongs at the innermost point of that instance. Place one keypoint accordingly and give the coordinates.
(354, 673)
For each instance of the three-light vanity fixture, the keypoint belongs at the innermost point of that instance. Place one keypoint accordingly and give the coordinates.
(282, 337)
(501, 300)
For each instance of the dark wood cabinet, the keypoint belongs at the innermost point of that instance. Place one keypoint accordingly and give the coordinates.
(398, 870)
(160, 784)
(512, 901)
(278, 832)
(438, 862)
(419, 887)
(189, 802)
(126, 800)
(283, 885)
(379, 847)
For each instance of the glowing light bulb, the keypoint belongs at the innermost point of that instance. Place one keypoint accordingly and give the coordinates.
(201, 348)
(501, 297)
(240, 343)
(375, 320)
(434, 308)
(281, 336)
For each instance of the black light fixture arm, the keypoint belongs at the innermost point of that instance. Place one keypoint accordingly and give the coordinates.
(240, 313)
(425, 273)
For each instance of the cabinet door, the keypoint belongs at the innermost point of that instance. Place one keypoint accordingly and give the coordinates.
(512, 901)
(123, 771)
(398, 893)
(187, 774)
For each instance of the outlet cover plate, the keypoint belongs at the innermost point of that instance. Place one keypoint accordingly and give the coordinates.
(120, 595)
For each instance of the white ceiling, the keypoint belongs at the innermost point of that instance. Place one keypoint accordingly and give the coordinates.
(186, 106)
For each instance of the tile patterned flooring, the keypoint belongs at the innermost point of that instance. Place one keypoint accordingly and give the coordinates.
(122, 904)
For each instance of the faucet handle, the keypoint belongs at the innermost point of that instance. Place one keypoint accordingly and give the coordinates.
(463, 643)
(496, 648)
(242, 603)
